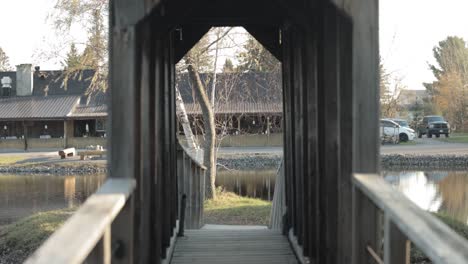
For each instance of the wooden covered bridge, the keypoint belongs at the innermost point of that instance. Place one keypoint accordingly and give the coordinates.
(336, 207)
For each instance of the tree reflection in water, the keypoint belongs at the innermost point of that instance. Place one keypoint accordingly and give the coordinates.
(444, 192)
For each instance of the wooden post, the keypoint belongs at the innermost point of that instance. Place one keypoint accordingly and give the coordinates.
(364, 227)
(124, 130)
(396, 245)
(102, 252)
(25, 131)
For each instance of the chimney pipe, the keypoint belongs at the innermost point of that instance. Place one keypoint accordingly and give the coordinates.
(24, 80)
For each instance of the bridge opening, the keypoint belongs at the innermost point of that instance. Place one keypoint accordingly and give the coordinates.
(242, 81)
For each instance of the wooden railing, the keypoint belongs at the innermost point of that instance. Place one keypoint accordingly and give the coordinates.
(86, 236)
(403, 221)
(278, 207)
(191, 183)
(102, 230)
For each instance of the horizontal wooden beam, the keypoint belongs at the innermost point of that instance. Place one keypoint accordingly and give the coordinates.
(269, 37)
(186, 37)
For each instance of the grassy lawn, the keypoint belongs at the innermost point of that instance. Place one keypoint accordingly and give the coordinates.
(20, 239)
(231, 209)
(9, 160)
(455, 138)
(408, 143)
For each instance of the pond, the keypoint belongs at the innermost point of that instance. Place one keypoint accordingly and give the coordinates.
(252, 183)
(444, 192)
(435, 191)
(24, 195)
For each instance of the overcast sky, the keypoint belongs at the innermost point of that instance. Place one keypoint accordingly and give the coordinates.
(409, 29)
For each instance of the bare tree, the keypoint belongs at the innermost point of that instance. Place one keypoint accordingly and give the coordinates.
(209, 126)
(4, 61)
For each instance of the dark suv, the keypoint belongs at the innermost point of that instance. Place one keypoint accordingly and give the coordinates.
(433, 125)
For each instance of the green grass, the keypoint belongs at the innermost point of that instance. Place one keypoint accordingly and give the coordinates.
(455, 138)
(417, 256)
(232, 209)
(9, 160)
(408, 143)
(22, 238)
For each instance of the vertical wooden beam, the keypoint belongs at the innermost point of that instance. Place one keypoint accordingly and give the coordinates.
(288, 128)
(165, 157)
(298, 130)
(396, 244)
(146, 181)
(159, 139)
(123, 159)
(311, 184)
(365, 20)
(346, 139)
(329, 132)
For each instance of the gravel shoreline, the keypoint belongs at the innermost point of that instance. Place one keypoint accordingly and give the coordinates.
(388, 162)
(411, 161)
(255, 162)
(248, 161)
(55, 169)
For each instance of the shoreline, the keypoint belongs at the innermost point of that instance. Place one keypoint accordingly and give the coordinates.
(240, 162)
(423, 162)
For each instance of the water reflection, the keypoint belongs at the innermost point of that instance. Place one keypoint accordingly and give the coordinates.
(436, 191)
(23, 195)
(255, 184)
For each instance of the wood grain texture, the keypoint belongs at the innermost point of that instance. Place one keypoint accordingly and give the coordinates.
(233, 246)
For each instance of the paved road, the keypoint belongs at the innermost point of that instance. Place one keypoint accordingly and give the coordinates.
(426, 146)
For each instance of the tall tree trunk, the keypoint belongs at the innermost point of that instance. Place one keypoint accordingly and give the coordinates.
(209, 154)
(183, 119)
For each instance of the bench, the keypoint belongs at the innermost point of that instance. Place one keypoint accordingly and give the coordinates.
(85, 153)
(68, 152)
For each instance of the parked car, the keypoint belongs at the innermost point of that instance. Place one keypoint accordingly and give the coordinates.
(433, 125)
(401, 122)
(392, 128)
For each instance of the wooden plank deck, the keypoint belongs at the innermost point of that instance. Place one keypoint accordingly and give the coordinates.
(233, 247)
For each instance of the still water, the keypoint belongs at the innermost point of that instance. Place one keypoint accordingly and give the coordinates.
(435, 191)
(24, 195)
(254, 184)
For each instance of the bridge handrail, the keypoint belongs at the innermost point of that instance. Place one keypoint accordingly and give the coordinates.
(78, 239)
(195, 154)
(191, 183)
(404, 221)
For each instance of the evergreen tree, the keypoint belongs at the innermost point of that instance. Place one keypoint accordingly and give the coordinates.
(73, 60)
(228, 66)
(256, 58)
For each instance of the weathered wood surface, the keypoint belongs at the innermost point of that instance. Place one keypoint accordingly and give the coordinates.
(440, 243)
(233, 246)
(80, 234)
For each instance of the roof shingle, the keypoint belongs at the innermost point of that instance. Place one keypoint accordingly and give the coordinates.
(36, 107)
